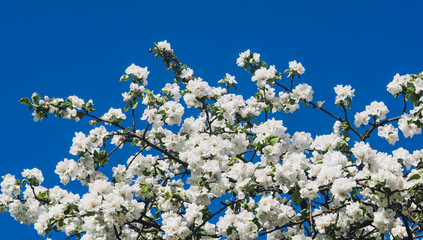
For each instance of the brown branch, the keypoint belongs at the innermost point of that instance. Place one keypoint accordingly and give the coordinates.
(208, 120)
(110, 153)
(313, 104)
(133, 158)
(367, 133)
(99, 119)
(145, 130)
(311, 219)
(116, 233)
(133, 120)
(349, 125)
(149, 224)
(407, 226)
(252, 156)
(73, 235)
(242, 158)
(405, 104)
(36, 197)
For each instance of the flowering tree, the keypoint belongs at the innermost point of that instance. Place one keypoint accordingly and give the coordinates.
(230, 170)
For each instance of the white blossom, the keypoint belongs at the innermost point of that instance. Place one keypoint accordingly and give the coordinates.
(296, 67)
(114, 115)
(389, 132)
(303, 92)
(164, 45)
(242, 57)
(343, 93)
(139, 72)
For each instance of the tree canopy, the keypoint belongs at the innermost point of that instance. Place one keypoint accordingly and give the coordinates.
(208, 163)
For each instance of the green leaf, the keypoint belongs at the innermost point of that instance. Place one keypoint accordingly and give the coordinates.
(42, 195)
(144, 189)
(25, 101)
(127, 129)
(296, 197)
(96, 154)
(124, 78)
(90, 214)
(126, 108)
(414, 98)
(414, 177)
(135, 141)
(197, 180)
(272, 139)
(387, 191)
(134, 105)
(418, 198)
(346, 134)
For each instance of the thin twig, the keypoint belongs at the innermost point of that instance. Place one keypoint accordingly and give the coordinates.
(349, 125)
(313, 104)
(367, 133)
(133, 120)
(405, 104)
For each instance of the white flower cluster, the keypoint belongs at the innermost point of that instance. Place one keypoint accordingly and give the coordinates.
(9, 188)
(389, 132)
(67, 109)
(302, 92)
(138, 72)
(375, 109)
(164, 45)
(200, 90)
(408, 126)
(231, 105)
(173, 111)
(398, 83)
(187, 73)
(242, 222)
(296, 68)
(289, 102)
(272, 212)
(262, 75)
(343, 93)
(243, 58)
(33, 174)
(173, 91)
(230, 79)
(269, 128)
(113, 115)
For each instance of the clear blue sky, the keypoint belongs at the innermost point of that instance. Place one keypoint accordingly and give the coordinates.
(62, 48)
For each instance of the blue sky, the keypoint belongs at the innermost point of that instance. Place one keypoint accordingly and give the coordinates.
(63, 48)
